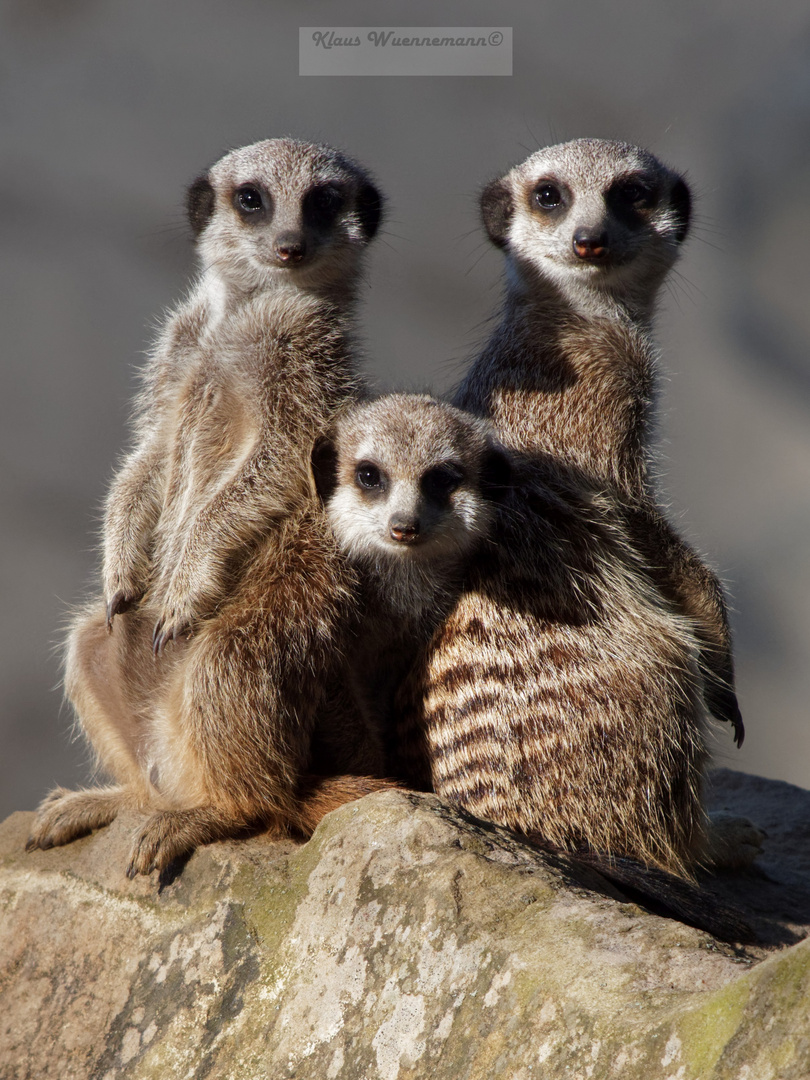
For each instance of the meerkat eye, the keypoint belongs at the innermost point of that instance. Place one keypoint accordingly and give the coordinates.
(368, 476)
(441, 481)
(323, 204)
(248, 199)
(547, 196)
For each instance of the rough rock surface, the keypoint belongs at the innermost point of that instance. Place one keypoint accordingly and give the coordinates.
(403, 941)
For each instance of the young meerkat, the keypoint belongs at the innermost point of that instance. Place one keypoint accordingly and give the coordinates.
(410, 486)
(419, 496)
(590, 229)
(214, 540)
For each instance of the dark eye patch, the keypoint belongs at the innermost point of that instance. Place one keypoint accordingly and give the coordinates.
(322, 205)
(441, 481)
(635, 194)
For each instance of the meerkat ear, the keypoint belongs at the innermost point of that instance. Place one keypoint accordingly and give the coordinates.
(370, 208)
(496, 474)
(323, 464)
(496, 211)
(200, 203)
(681, 201)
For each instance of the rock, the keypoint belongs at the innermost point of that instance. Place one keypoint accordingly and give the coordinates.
(775, 893)
(403, 941)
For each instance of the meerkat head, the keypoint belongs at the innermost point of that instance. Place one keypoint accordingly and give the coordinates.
(283, 211)
(590, 216)
(408, 478)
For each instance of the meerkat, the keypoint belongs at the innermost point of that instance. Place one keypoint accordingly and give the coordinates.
(561, 696)
(590, 230)
(410, 486)
(413, 490)
(217, 556)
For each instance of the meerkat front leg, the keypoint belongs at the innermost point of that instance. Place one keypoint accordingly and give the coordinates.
(245, 508)
(240, 510)
(132, 511)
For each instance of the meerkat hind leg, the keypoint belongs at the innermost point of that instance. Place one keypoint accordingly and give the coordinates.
(109, 681)
(172, 834)
(65, 815)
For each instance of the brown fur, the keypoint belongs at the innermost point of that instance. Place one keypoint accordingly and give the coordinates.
(562, 696)
(413, 543)
(570, 369)
(217, 554)
(559, 695)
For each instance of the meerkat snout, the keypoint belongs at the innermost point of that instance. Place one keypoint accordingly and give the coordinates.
(591, 244)
(403, 530)
(290, 248)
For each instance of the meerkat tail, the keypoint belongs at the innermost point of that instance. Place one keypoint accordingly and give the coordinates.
(668, 894)
(319, 795)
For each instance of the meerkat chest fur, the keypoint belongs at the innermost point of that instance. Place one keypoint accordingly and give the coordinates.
(553, 385)
(590, 230)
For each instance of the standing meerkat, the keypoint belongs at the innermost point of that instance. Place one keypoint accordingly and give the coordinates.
(214, 540)
(590, 229)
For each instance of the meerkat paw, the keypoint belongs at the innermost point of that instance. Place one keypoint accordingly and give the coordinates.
(733, 843)
(65, 815)
(172, 834)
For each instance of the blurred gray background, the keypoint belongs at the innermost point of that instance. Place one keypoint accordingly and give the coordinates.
(109, 108)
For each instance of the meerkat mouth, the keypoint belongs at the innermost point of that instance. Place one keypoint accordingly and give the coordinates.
(406, 545)
(305, 262)
(604, 264)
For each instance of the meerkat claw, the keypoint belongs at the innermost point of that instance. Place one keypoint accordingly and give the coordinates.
(119, 602)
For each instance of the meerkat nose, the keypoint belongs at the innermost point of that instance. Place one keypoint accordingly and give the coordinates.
(289, 248)
(405, 532)
(591, 245)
